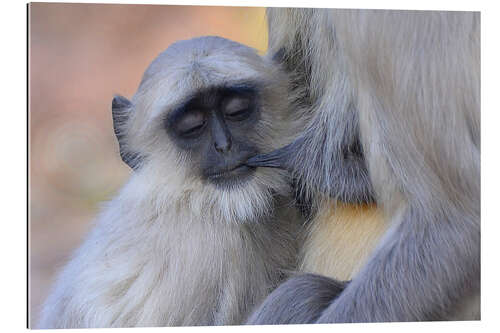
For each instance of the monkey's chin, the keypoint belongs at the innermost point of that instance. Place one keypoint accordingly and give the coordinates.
(237, 177)
(249, 197)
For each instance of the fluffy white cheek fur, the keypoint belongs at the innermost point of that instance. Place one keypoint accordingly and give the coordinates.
(172, 186)
(250, 201)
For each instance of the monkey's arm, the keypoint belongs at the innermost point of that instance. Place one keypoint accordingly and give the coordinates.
(327, 156)
(415, 275)
(430, 258)
(418, 273)
(338, 170)
(299, 300)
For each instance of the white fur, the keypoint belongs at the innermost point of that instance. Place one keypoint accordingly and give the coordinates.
(171, 249)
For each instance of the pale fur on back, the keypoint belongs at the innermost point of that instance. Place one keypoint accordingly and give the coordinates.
(409, 82)
(171, 249)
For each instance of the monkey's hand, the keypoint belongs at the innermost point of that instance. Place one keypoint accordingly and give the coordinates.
(280, 158)
(341, 174)
(299, 300)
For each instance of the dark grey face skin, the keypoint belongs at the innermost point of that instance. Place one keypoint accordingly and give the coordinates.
(212, 126)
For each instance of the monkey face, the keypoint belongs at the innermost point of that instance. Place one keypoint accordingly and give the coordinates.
(213, 126)
(203, 108)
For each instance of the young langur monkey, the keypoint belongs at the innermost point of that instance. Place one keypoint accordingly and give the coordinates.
(195, 237)
(391, 100)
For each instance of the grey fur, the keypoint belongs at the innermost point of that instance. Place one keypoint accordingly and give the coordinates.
(299, 300)
(406, 85)
(172, 249)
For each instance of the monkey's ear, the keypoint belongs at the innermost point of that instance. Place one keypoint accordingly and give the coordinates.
(121, 109)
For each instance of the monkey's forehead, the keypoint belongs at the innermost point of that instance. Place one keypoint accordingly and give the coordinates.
(210, 57)
(162, 97)
(188, 67)
(187, 78)
(179, 76)
(204, 46)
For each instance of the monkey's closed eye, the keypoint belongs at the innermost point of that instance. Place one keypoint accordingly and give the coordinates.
(237, 108)
(190, 124)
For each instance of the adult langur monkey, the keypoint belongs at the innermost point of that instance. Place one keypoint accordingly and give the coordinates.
(195, 237)
(392, 105)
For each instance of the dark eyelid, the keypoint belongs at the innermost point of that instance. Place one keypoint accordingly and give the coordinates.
(175, 118)
(196, 100)
(190, 122)
(242, 110)
(235, 105)
(244, 93)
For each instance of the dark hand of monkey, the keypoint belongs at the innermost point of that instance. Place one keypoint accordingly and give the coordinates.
(300, 300)
(275, 159)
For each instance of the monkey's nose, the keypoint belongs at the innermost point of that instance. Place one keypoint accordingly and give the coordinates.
(221, 135)
(223, 146)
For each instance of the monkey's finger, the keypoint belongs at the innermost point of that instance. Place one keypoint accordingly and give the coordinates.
(275, 159)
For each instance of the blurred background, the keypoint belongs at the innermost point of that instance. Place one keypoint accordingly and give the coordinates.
(79, 56)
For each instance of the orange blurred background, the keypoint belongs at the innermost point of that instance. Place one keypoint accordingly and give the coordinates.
(79, 56)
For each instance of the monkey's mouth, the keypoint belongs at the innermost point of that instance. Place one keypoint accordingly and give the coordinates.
(231, 176)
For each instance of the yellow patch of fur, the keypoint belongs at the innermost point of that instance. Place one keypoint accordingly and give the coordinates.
(340, 239)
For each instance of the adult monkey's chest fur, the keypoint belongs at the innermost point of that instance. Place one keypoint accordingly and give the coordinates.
(340, 239)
